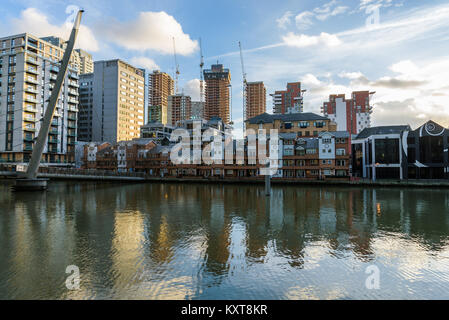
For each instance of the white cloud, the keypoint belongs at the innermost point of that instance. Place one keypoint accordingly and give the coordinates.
(304, 20)
(311, 80)
(370, 4)
(192, 89)
(284, 20)
(336, 11)
(151, 31)
(404, 67)
(144, 62)
(35, 22)
(302, 40)
(351, 75)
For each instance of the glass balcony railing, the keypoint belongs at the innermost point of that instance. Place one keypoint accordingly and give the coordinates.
(30, 109)
(31, 80)
(32, 70)
(32, 60)
(30, 89)
(31, 119)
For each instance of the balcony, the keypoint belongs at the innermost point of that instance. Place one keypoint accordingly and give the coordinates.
(54, 69)
(28, 148)
(73, 92)
(53, 77)
(53, 140)
(74, 76)
(72, 108)
(29, 119)
(28, 139)
(30, 99)
(72, 117)
(30, 109)
(32, 70)
(31, 80)
(53, 131)
(71, 126)
(31, 90)
(71, 100)
(73, 84)
(32, 60)
(71, 134)
(29, 129)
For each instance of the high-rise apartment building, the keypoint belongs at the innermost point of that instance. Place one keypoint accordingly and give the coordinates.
(85, 61)
(112, 102)
(160, 87)
(218, 83)
(256, 99)
(290, 100)
(82, 60)
(179, 108)
(28, 70)
(352, 115)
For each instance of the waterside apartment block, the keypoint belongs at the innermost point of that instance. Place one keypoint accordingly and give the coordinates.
(28, 70)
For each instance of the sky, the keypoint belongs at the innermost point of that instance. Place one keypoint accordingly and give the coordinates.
(397, 48)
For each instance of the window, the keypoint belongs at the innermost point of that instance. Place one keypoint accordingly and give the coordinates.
(387, 151)
(341, 152)
(327, 141)
(303, 124)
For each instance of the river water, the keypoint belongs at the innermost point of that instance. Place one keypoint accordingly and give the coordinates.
(200, 241)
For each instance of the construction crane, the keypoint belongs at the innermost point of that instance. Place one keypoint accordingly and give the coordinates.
(176, 68)
(201, 73)
(244, 85)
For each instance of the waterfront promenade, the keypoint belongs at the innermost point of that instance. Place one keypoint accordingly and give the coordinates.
(105, 175)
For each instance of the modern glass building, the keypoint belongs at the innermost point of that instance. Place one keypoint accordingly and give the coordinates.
(398, 152)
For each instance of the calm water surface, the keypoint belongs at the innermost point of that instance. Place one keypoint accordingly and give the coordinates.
(181, 241)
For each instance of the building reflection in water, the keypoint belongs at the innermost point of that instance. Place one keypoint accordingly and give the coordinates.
(185, 241)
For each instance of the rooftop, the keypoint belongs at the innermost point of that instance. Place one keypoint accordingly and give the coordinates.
(269, 118)
(367, 132)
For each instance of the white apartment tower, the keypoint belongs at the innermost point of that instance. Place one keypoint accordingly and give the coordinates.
(28, 71)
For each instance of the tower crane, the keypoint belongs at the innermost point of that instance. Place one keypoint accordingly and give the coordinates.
(176, 68)
(244, 85)
(201, 73)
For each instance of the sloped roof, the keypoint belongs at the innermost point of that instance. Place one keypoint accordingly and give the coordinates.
(430, 128)
(367, 132)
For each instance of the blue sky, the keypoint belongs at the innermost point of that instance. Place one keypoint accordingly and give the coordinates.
(327, 45)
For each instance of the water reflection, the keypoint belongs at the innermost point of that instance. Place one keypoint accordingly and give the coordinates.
(178, 241)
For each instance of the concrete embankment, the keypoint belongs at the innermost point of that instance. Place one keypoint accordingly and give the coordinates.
(274, 181)
(277, 181)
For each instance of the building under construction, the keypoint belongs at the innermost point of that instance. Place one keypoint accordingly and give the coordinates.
(218, 83)
(256, 99)
(179, 108)
(160, 87)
